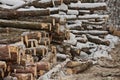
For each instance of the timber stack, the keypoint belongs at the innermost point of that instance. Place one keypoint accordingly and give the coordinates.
(52, 36)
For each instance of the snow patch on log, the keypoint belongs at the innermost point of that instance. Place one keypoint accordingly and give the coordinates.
(100, 51)
(113, 40)
(87, 5)
(32, 8)
(13, 3)
(63, 7)
(64, 16)
(73, 12)
(93, 16)
(72, 40)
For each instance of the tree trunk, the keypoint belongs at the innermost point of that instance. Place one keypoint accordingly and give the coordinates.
(17, 14)
(92, 32)
(70, 1)
(26, 25)
(98, 40)
(41, 4)
(86, 6)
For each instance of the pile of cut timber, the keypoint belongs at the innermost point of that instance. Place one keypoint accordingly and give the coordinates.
(54, 35)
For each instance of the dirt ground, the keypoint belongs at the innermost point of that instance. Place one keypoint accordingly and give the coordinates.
(97, 72)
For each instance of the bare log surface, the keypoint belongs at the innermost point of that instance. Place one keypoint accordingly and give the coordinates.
(70, 1)
(88, 6)
(40, 4)
(25, 25)
(12, 14)
(98, 40)
(92, 32)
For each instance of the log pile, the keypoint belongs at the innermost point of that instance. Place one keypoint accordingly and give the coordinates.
(53, 40)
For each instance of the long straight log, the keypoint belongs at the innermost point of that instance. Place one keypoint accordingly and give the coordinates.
(92, 32)
(51, 10)
(70, 1)
(17, 14)
(44, 4)
(25, 25)
(10, 40)
(88, 6)
(44, 19)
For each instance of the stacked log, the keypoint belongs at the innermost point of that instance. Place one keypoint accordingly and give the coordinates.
(67, 23)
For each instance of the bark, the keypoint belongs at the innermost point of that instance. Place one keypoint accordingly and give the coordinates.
(4, 53)
(72, 64)
(98, 40)
(92, 32)
(44, 4)
(45, 19)
(70, 1)
(25, 25)
(10, 40)
(43, 66)
(17, 14)
(80, 67)
(93, 8)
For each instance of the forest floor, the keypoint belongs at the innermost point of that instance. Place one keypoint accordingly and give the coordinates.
(97, 72)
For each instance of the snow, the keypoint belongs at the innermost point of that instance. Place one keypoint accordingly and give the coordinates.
(73, 25)
(73, 12)
(5, 6)
(100, 51)
(63, 7)
(64, 16)
(87, 5)
(84, 55)
(12, 3)
(87, 11)
(72, 40)
(44, 1)
(113, 40)
(32, 8)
